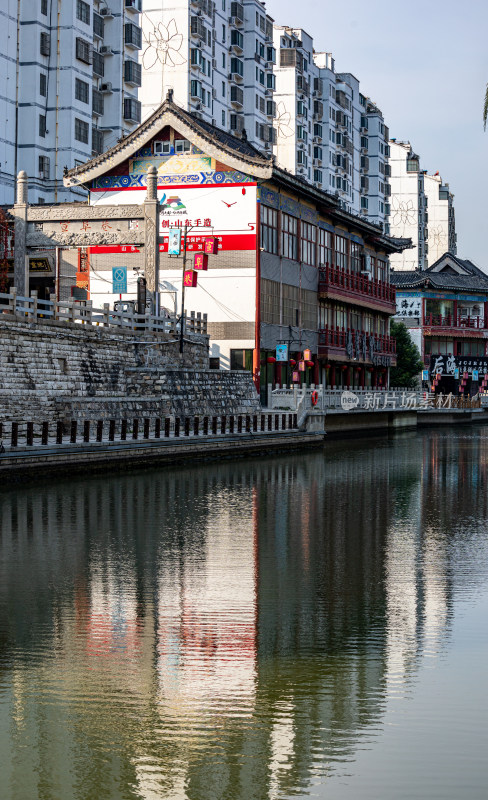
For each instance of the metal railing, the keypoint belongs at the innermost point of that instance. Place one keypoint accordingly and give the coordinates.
(32, 309)
(16, 436)
(333, 336)
(450, 321)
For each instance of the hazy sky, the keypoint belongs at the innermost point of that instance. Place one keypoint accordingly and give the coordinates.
(425, 63)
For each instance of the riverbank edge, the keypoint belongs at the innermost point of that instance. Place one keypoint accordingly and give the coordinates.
(117, 456)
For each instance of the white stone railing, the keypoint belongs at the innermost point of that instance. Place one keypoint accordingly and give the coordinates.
(32, 309)
(302, 399)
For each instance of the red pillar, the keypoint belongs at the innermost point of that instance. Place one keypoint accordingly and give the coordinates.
(316, 372)
(333, 375)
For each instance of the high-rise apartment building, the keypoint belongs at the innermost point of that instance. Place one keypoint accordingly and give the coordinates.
(69, 76)
(409, 215)
(327, 131)
(422, 208)
(442, 229)
(217, 58)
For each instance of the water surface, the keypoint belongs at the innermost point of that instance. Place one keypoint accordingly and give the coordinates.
(308, 625)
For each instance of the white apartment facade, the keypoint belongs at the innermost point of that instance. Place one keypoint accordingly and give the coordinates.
(422, 208)
(441, 220)
(217, 58)
(327, 131)
(69, 78)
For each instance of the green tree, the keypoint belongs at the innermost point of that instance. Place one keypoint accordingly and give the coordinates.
(409, 363)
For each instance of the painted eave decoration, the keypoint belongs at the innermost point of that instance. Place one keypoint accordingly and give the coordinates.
(237, 153)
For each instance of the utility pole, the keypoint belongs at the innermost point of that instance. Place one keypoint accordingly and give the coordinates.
(182, 318)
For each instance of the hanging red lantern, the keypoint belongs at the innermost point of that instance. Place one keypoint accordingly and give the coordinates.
(292, 362)
(309, 363)
(344, 367)
(327, 366)
(271, 359)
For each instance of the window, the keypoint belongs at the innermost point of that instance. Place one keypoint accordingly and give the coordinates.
(83, 12)
(241, 359)
(133, 35)
(355, 257)
(182, 146)
(325, 248)
(289, 237)
(44, 164)
(43, 84)
(81, 131)
(270, 81)
(42, 125)
(237, 67)
(44, 7)
(97, 102)
(223, 34)
(81, 91)
(84, 50)
(223, 119)
(382, 270)
(45, 44)
(132, 109)
(236, 38)
(162, 148)
(223, 88)
(97, 141)
(132, 72)
(98, 64)
(223, 60)
(341, 259)
(98, 25)
(261, 77)
(269, 229)
(308, 237)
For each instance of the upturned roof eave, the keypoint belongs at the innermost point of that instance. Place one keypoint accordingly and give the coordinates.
(168, 114)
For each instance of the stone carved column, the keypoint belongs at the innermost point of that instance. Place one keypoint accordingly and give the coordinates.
(19, 211)
(151, 225)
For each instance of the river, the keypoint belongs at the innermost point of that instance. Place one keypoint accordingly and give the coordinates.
(307, 625)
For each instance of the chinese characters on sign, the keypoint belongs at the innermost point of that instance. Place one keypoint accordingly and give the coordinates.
(409, 307)
(190, 278)
(119, 280)
(174, 242)
(201, 261)
(281, 352)
(449, 365)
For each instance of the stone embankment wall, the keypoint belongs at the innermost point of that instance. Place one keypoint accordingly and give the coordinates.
(58, 370)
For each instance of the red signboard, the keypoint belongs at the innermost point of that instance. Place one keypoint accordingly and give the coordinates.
(211, 245)
(201, 261)
(301, 366)
(190, 277)
(307, 355)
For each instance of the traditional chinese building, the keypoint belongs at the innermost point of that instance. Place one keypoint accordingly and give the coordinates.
(292, 267)
(446, 311)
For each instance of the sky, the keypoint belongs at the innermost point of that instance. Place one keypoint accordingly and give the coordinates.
(425, 63)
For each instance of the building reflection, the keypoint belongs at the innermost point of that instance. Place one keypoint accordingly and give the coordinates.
(226, 631)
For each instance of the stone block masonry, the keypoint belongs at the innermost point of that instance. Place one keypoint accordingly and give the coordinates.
(58, 370)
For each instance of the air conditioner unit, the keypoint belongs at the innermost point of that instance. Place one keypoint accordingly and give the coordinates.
(106, 50)
(106, 12)
(214, 63)
(106, 87)
(214, 93)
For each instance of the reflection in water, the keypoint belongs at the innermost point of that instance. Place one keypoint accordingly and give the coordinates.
(228, 631)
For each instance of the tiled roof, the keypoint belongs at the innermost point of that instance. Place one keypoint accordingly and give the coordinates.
(476, 280)
(166, 113)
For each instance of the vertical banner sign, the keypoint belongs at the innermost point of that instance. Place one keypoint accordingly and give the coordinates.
(296, 377)
(474, 375)
(301, 366)
(201, 261)
(425, 374)
(282, 352)
(174, 243)
(119, 280)
(456, 374)
(307, 355)
(190, 277)
(211, 245)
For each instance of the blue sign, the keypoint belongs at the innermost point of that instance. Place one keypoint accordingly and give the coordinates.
(174, 241)
(282, 352)
(119, 280)
(474, 375)
(425, 374)
(456, 374)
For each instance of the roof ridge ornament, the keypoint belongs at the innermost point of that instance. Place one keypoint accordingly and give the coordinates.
(169, 96)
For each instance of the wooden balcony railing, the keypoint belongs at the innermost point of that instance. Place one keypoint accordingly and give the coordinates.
(360, 343)
(331, 277)
(451, 321)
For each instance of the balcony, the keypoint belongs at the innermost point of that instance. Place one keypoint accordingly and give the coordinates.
(357, 288)
(462, 326)
(359, 346)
